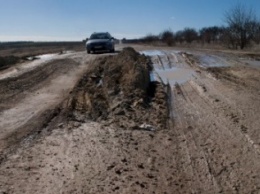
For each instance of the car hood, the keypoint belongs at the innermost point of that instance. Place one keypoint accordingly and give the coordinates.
(97, 41)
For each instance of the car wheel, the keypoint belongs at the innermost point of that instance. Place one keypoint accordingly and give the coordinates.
(88, 51)
(113, 50)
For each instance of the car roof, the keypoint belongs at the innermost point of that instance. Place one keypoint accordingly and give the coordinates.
(100, 33)
(97, 35)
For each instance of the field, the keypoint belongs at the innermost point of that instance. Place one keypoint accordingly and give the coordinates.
(145, 119)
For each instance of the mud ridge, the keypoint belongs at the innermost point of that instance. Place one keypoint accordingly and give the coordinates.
(117, 90)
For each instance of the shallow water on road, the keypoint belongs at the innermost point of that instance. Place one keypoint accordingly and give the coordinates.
(152, 52)
(212, 61)
(253, 63)
(173, 75)
(46, 56)
(165, 67)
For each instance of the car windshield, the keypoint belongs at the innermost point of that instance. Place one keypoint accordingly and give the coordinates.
(100, 36)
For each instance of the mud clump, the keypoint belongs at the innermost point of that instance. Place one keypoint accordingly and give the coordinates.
(117, 90)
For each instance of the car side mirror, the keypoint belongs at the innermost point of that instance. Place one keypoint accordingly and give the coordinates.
(112, 38)
(86, 39)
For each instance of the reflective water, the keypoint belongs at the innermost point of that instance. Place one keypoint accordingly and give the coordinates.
(163, 72)
(252, 63)
(212, 61)
(173, 75)
(152, 52)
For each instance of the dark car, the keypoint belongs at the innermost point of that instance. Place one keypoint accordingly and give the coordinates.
(101, 41)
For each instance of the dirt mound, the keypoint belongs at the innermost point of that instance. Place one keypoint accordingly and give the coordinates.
(117, 90)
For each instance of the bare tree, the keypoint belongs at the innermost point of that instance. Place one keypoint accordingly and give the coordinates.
(256, 37)
(190, 35)
(242, 25)
(210, 34)
(150, 38)
(179, 37)
(167, 37)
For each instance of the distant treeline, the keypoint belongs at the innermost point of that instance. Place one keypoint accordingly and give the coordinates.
(242, 30)
(20, 44)
(207, 35)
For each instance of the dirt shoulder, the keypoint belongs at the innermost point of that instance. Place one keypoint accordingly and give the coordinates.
(31, 97)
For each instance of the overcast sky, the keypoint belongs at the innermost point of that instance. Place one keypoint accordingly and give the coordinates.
(48, 20)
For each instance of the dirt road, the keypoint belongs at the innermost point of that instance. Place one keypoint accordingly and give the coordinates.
(78, 123)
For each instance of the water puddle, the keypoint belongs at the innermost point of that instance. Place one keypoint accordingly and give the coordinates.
(33, 62)
(67, 52)
(49, 56)
(212, 61)
(252, 63)
(172, 75)
(46, 56)
(165, 69)
(42, 57)
(152, 53)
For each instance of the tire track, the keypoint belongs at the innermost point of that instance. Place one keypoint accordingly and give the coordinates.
(198, 162)
(218, 134)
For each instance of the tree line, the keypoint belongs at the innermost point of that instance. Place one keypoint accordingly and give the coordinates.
(241, 30)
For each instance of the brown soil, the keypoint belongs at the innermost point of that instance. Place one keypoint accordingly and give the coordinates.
(95, 124)
(117, 90)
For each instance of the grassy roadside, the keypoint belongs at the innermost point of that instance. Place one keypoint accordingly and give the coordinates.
(7, 61)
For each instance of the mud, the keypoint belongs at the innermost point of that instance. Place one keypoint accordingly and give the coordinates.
(117, 90)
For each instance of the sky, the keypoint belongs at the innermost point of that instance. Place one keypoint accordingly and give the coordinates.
(75, 20)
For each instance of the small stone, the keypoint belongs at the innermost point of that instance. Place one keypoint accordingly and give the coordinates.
(147, 127)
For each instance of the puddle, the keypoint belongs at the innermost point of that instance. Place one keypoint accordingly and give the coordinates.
(67, 52)
(212, 61)
(31, 58)
(172, 75)
(49, 56)
(252, 63)
(43, 57)
(46, 56)
(152, 52)
(33, 62)
(164, 72)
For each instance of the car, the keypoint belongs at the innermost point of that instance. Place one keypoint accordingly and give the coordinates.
(100, 41)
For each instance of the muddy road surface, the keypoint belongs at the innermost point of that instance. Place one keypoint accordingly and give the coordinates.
(155, 121)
